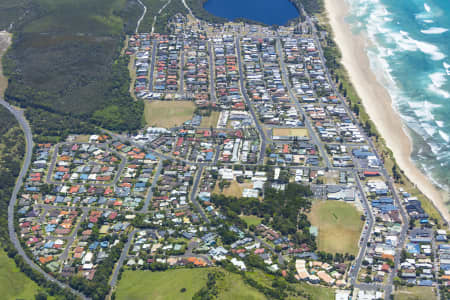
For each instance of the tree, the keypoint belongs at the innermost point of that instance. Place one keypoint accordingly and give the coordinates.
(40, 296)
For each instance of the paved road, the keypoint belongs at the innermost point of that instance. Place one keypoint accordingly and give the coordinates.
(262, 136)
(216, 156)
(161, 156)
(188, 8)
(294, 100)
(193, 195)
(405, 219)
(123, 256)
(436, 266)
(12, 203)
(181, 90)
(123, 162)
(49, 206)
(152, 65)
(150, 191)
(73, 236)
(353, 274)
(268, 246)
(159, 12)
(212, 88)
(138, 24)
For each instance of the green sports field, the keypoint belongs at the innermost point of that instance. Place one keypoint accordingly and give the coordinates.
(339, 226)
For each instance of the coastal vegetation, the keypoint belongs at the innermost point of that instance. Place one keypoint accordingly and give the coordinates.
(160, 20)
(12, 149)
(65, 69)
(311, 6)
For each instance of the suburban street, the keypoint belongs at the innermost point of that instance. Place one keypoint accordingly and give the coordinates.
(27, 161)
(123, 163)
(405, 219)
(123, 256)
(193, 195)
(150, 191)
(294, 100)
(262, 136)
(212, 88)
(304, 191)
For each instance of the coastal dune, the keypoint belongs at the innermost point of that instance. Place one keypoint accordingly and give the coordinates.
(378, 102)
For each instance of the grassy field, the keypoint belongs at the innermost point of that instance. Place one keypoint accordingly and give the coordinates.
(210, 121)
(234, 190)
(302, 132)
(167, 285)
(168, 113)
(251, 220)
(13, 283)
(232, 287)
(161, 285)
(339, 226)
(415, 293)
(315, 292)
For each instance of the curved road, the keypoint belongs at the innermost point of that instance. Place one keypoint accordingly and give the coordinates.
(12, 203)
(138, 24)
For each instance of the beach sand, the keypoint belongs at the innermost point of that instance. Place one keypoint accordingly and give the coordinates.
(378, 103)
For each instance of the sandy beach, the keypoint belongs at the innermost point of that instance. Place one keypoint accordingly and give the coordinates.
(378, 103)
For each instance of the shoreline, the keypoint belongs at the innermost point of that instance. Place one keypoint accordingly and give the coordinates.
(378, 103)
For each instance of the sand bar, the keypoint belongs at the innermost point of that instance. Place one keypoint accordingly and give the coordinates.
(377, 101)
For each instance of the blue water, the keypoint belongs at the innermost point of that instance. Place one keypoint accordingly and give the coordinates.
(271, 12)
(409, 52)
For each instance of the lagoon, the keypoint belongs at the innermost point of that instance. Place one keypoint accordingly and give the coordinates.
(270, 12)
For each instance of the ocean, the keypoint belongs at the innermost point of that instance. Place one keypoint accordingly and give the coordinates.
(409, 51)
